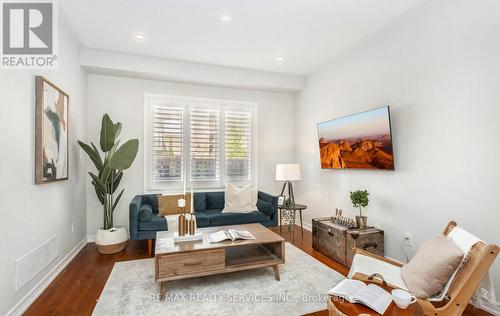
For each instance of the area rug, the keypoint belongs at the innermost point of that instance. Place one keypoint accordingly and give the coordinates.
(131, 290)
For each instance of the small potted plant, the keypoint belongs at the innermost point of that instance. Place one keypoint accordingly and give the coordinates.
(110, 238)
(359, 199)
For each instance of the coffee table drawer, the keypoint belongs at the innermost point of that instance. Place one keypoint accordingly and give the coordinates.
(190, 262)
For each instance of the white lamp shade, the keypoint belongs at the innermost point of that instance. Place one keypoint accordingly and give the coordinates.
(288, 172)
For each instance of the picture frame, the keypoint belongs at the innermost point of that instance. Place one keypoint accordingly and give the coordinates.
(51, 132)
(281, 200)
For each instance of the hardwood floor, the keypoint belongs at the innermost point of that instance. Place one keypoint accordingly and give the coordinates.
(76, 290)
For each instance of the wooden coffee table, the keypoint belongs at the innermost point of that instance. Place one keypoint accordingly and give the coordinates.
(340, 307)
(181, 260)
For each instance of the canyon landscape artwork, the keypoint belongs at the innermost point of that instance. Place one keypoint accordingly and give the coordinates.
(358, 141)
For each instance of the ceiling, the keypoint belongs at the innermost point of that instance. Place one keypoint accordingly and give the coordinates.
(307, 33)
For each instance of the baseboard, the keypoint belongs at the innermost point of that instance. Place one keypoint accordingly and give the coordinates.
(306, 226)
(34, 293)
(487, 307)
(91, 238)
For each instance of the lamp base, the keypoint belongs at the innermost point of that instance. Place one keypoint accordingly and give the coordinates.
(290, 190)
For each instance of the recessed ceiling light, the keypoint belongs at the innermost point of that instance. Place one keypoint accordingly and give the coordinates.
(139, 36)
(226, 17)
(280, 59)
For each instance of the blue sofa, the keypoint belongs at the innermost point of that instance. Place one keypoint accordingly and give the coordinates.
(144, 220)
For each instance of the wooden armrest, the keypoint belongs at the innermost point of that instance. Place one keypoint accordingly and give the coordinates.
(374, 256)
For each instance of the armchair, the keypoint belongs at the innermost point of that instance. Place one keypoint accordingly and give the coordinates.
(462, 285)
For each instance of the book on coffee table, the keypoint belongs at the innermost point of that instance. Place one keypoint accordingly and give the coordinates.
(228, 234)
(356, 291)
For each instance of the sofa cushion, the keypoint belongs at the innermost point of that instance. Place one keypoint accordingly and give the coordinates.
(202, 219)
(265, 207)
(151, 199)
(239, 200)
(431, 267)
(145, 213)
(156, 223)
(223, 219)
(200, 201)
(214, 200)
(213, 211)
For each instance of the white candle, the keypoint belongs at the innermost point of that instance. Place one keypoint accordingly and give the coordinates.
(192, 201)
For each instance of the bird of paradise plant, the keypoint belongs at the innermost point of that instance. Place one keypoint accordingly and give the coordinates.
(110, 166)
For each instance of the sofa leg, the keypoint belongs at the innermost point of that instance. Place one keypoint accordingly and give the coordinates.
(150, 247)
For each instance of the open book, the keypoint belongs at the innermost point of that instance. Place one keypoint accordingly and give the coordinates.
(370, 295)
(229, 234)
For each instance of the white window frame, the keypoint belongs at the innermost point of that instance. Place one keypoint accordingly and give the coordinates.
(176, 186)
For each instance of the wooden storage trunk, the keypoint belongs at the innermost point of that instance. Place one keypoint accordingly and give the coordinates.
(337, 242)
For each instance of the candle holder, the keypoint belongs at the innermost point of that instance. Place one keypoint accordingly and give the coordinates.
(186, 221)
(191, 224)
(181, 228)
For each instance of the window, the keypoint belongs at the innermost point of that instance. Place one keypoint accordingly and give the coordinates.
(238, 145)
(204, 142)
(168, 144)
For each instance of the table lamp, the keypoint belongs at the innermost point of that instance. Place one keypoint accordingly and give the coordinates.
(288, 173)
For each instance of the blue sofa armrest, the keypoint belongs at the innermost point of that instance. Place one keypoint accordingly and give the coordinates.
(134, 208)
(273, 200)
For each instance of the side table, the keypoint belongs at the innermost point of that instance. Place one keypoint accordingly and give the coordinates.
(294, 208)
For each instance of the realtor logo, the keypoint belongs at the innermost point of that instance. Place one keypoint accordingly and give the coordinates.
(28, 34)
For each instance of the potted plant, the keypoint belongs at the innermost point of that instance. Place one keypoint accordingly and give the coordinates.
(110, 166)
(359, 199)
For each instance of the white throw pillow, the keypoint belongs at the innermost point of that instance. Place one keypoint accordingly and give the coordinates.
(239, 200)
(255, 197)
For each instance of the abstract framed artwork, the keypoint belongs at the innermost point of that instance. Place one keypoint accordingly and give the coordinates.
(51, 132)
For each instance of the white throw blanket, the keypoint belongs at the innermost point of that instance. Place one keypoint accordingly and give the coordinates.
(485, 294)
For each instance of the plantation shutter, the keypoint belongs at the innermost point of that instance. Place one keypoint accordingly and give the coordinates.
(168, 143)
(238, 145)
(204, 143)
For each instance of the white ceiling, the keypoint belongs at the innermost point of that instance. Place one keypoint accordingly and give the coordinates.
(309, 33)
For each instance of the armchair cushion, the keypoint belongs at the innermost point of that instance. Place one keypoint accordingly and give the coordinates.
(145, 213)
(431, 267)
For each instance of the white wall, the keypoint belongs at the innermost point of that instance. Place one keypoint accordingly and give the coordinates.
(31, 214)
(438, 69)
(123, 99)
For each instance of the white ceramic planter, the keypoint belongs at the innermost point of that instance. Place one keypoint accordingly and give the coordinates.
(112, 240)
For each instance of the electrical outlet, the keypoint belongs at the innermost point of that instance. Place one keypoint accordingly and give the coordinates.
(408, 239)
(72, 228)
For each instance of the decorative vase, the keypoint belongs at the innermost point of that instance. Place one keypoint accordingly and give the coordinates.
(112, 240)
(181, 228)
(362, 221)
